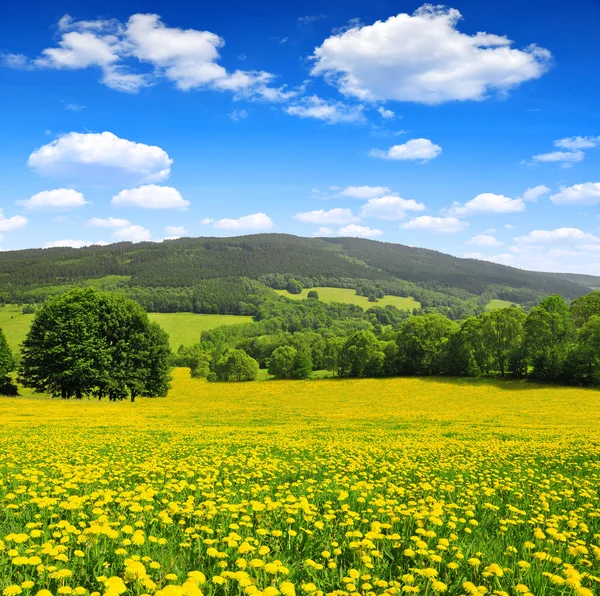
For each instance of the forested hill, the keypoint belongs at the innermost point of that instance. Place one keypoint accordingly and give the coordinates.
(187, 262)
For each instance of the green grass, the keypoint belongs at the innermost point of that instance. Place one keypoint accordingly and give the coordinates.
(496, 304)
(14, 324)
(348, 296)
(185, 327)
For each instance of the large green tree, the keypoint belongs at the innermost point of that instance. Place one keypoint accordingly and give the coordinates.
(7, 365)
(362, 356)
(89, 343)
(422, 344)
(235, 365)
(549, 334)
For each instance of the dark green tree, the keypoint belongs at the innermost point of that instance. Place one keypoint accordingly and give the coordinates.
(362, 356)
(313, 295)
(235, 365)
(422, 344)
(294, 287)
(85, 342)
(585, 307)
(7, 365)
(549, 334)
(282, 362)
(584, 362)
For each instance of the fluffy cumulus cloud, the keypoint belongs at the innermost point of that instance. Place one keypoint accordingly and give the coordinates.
(560, 156)
(570, 236)
(109, 222)
(484, 240)
(587, 193)
(97, 157)
(364, 192)
(151, 196)
(440, 225)
(9, 224)
(256, 221)
(356, 231)
(390, 207)
(176, 231)
(424, 58)
(532, 194)
(578, 142)
(487, 203)
(562, 249)
(62, 199)
(189, 58)
(67, 243)
(570, 150)
(415, 149)
(332, 112)
(334, 217)
(132, 233)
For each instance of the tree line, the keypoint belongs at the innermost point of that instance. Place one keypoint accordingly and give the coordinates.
(554, 342)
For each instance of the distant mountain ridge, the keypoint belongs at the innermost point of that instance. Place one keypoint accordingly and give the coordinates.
(188, 261)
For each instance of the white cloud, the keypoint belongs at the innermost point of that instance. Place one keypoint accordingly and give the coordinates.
(63, 199)
(73, 243)
(237, 115)
(97, 157)
(484, 240)
(110, 222)
(422, 149)
(9, 224)
(560, 156)
(332, 112)
(355, 231)
(324, 232)
(386, 114)
(364, 192)
(132, 233)
(332, 217)
(441, 225)
(534, 193)
(176, 231)
(578, 142)
(206, 221)
(487, 202)
(509, 227)
(307, 20)
(187, 57)
(424, 58)
(587, 193)
(256, 221)
(151, 196)
(559, 236)
(390, 207)
(74, 107)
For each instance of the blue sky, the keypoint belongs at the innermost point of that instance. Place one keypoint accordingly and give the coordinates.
(472, 128)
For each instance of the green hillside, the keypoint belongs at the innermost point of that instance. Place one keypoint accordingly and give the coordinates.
(189, 261)
(347, 296)
(14, 324)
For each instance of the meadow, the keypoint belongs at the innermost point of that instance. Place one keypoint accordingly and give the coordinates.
(360, 487)
(348, 296)
(183, 328)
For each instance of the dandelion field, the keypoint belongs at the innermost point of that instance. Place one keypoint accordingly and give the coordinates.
(347, 487)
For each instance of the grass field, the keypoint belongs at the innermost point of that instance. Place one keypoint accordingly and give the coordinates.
(183, 328)
(496, 304)
(348, 296)
(14, 324)
(343, 487)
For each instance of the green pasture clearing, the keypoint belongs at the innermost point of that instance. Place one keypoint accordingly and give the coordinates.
(185, 327)
(14, 324)
(496, 304)
(349, 296)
